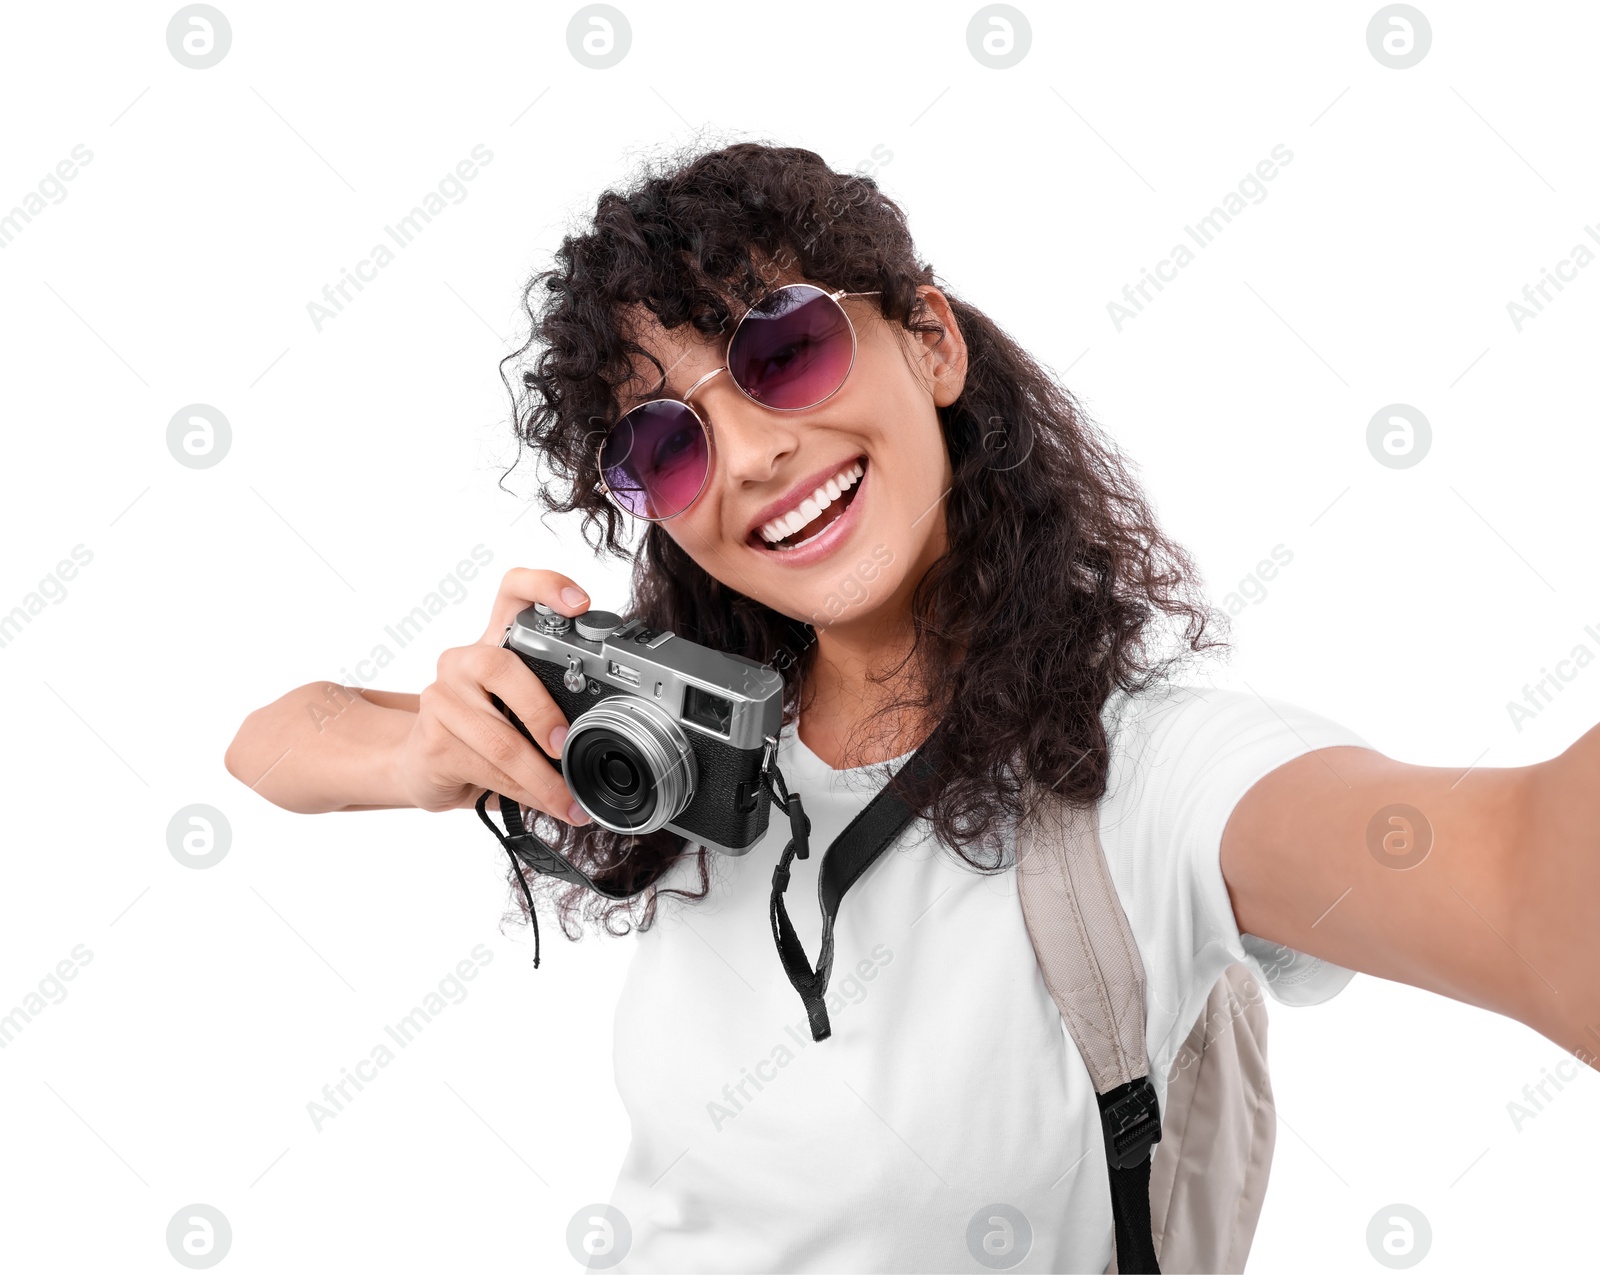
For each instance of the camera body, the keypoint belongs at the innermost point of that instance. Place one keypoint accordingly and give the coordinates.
(663, 732)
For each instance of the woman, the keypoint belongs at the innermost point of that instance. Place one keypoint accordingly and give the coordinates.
(926, 536)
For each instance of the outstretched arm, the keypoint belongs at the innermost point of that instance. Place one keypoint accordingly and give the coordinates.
(1482, 885)
(324, 747)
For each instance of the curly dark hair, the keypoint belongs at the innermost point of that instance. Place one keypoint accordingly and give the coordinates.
(1054, 569)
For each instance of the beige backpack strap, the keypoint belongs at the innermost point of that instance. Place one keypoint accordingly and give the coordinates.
(1209, 1176)
(1084, 942)
(1095, 975)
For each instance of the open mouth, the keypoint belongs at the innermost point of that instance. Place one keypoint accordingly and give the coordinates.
(822, 520)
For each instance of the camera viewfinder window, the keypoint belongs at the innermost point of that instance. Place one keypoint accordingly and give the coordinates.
(707, 710)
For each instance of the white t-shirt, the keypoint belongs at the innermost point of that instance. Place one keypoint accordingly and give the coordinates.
(949, 1084)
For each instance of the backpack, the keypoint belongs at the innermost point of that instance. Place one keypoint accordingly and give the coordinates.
(1194, 1204)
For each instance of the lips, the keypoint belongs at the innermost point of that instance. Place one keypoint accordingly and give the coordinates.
(813, 545)
(804, 490)
(826, 502)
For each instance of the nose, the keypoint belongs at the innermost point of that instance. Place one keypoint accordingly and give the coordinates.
(750, 441)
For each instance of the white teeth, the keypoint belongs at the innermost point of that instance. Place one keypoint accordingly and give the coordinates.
(787, 524)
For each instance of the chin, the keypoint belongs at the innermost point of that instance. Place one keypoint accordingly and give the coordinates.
(855, 585)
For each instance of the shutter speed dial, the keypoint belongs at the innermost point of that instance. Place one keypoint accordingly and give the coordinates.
(596, 626)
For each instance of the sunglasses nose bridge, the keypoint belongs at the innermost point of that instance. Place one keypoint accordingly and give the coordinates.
(689, 393)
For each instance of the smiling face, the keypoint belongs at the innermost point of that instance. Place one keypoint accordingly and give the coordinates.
(851, 489)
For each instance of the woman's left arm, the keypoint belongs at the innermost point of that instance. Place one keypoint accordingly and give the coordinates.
(1482, 885)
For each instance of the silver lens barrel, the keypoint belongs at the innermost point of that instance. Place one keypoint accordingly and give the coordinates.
(660, 744)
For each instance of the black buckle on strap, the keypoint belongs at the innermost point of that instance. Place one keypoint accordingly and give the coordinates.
(1130, 1116)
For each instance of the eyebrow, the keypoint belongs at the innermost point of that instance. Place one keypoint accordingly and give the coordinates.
(632, 401)
(662, 389)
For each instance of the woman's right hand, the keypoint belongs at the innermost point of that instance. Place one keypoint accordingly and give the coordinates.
(460, 744)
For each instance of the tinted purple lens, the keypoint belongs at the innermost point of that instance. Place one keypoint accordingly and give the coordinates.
(655, 459)
(793, 349)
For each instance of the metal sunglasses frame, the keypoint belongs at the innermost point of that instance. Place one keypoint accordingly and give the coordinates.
(835, 296)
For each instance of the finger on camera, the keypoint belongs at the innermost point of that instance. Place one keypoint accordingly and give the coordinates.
(498, 782)
(521, 587)
(515, 761)
(473, 673)
(554, 801)
(521, 691)
(473, 734)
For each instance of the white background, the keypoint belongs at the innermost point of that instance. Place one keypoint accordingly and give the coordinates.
(364, 465)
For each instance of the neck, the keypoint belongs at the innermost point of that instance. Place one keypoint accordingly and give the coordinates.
(846, 717)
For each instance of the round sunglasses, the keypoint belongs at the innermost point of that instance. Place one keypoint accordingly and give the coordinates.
(792, 350)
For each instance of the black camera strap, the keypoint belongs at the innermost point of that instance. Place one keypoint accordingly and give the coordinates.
(523, 847)
(857, 848)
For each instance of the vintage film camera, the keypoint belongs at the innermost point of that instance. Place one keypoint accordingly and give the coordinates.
(664, 733)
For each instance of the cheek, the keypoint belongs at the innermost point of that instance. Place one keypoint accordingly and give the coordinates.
(911, 480)
(700, 525)
(694, 543)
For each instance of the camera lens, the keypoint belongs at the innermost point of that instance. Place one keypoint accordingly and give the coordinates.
(629, 765)
(615, 777)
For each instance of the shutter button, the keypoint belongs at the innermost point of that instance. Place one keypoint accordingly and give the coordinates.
(551, 621)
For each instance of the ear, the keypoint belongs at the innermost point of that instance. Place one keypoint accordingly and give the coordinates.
(943, 354)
